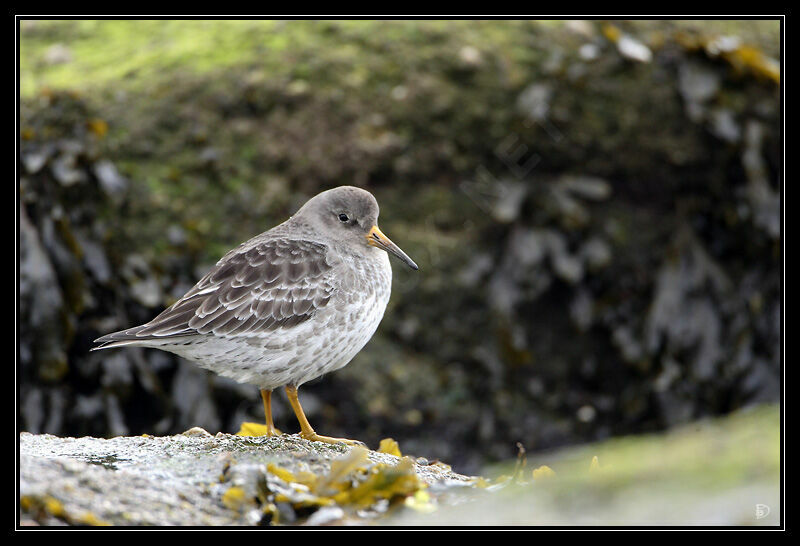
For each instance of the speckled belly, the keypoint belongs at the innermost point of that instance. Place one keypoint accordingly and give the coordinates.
(295, 355)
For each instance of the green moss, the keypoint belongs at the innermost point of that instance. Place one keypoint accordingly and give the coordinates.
(705, 457)
(129, 54)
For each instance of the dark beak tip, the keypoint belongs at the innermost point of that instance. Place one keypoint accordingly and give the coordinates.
(378, 239)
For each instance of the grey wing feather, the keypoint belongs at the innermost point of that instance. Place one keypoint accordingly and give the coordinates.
(255, 288)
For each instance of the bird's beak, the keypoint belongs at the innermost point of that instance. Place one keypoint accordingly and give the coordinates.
(375, 237)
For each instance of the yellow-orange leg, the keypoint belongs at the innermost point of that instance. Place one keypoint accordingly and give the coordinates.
(266, 398)
(305, 427)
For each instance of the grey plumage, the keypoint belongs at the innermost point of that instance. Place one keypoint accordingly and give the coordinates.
(288, 305)
(277, 283)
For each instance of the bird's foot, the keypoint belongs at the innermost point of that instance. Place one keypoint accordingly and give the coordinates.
(272, 432)
(314, 437)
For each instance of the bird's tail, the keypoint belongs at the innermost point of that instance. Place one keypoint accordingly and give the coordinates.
(121, 339)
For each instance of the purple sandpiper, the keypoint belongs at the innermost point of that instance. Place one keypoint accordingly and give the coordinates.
(287, 306)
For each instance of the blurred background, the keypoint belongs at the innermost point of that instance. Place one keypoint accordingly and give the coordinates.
(594, 206)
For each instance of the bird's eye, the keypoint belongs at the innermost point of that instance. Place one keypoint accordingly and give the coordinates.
(344, 218)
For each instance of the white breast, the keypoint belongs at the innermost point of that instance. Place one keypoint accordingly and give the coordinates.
(355, 314)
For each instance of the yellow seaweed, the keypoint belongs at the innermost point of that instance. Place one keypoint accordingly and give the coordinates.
(234, 498)
(544, 472)
(343, 466)
(384, 482)
(282, 473)
(252, 429)
(390, 446)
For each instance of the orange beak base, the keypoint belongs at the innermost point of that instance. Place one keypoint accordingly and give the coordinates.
(376, 238)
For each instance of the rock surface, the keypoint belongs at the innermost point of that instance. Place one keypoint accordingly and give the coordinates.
(183, 479)
(713, 472)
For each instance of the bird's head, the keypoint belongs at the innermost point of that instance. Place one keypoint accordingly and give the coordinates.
(350, 214)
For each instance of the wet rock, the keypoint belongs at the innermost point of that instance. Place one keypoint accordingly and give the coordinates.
(700, 329)
(41, 306)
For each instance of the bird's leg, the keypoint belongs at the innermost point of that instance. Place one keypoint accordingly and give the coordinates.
(306, 431)
(266, 398)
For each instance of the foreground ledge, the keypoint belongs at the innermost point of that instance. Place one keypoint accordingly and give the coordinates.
(723, 471)
(195, 478)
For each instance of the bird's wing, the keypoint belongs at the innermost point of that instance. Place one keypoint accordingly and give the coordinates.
(274, 284)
